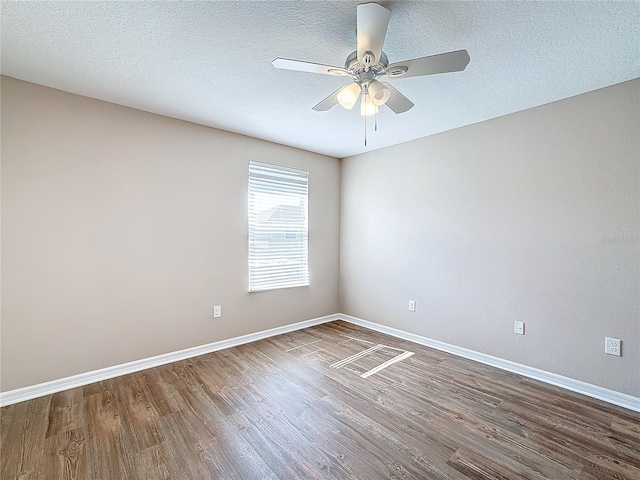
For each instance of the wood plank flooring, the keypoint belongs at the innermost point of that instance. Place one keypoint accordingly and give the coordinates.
(277, 409)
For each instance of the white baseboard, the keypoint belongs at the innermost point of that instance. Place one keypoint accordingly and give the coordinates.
(47, 388)
(588, 389)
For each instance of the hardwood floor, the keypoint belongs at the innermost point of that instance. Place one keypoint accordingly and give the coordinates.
(292, 407)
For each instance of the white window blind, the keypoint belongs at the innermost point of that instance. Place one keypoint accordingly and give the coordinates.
(278, 228)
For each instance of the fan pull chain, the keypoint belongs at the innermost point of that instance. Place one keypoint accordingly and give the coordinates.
(364, 98)
(375, 120)
(365, 126)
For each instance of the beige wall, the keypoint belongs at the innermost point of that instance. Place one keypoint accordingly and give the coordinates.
(533, 217)
(121, 230)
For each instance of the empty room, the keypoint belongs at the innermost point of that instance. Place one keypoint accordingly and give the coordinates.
(320, 240)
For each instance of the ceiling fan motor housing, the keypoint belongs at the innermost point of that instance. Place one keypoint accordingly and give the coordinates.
(356, 67)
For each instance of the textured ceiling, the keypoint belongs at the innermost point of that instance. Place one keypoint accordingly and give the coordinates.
(210, 62)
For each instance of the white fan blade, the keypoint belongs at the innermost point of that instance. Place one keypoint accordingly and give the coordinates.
(331, 101)
(300, 66)
(372, 23)
(442, 63)
(397, 101)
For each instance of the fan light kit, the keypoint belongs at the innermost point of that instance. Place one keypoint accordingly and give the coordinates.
(369, 62)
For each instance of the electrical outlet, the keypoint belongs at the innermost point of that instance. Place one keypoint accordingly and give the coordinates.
(217, 311)
(612, 346)
(518, 328)
(412, 305)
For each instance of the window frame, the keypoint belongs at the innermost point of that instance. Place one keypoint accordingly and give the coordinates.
(270, 181)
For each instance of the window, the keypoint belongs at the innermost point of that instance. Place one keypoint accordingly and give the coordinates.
(278, 228)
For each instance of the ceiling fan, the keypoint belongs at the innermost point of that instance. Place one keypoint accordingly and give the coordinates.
(369, 63)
